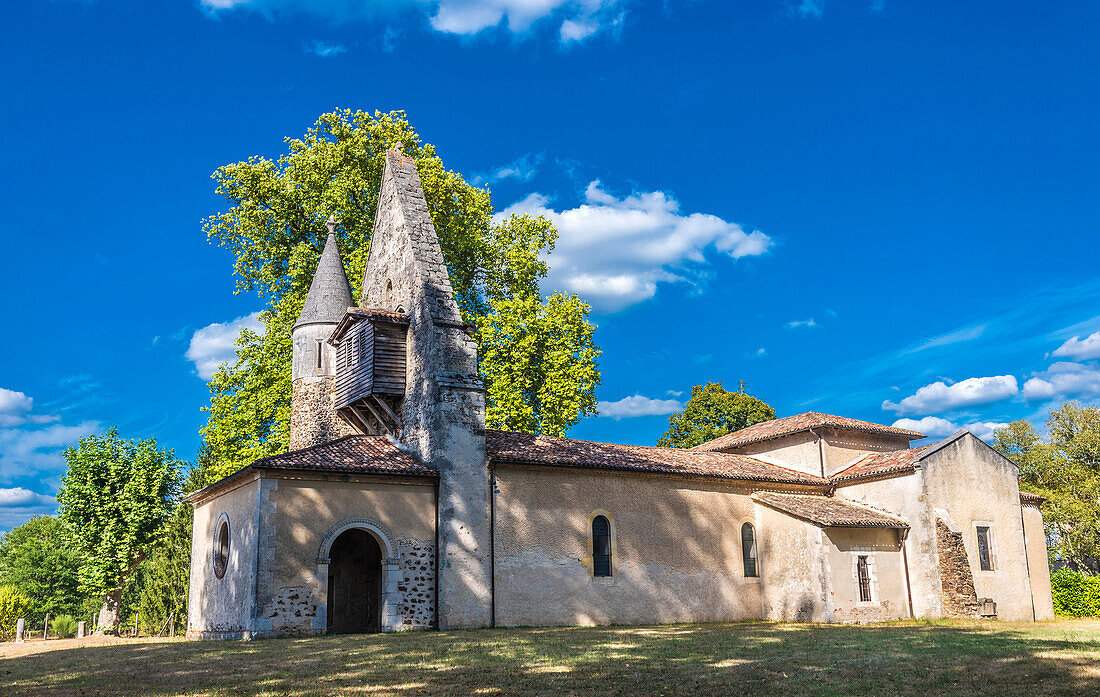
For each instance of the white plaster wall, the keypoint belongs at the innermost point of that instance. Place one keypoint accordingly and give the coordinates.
(1038, 563)
(223, 607)
(842, 447)
(905, 496)
(794, 569)
(975, 484)
(888, 593)
(677, 553)
(799, 451)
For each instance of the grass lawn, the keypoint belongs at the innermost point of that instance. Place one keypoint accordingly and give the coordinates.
(906, 658)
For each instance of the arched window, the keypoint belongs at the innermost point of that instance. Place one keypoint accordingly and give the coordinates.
(748, 550)
(221, 547)
(601, 546)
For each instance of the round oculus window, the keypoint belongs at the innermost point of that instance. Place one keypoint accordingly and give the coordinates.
(221, 548)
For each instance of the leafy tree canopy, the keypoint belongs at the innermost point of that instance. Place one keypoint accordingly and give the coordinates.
(711, 412)
(114, 500)
(274, 226)
(37, 559)
(1065, 468)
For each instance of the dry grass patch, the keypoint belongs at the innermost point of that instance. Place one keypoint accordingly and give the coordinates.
(904, 659)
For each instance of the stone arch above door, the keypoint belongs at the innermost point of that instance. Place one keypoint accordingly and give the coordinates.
(391, 596)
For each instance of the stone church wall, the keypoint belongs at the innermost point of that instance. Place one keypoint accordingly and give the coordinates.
(221, 608)
(302, 512)
(976, 486)
(676, 553)
(889, 599)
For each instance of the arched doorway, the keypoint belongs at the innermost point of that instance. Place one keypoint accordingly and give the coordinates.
(355, 583)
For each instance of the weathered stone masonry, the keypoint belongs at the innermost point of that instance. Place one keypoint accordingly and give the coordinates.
(959, 597)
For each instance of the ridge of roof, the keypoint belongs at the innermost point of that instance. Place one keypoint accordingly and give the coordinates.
(353, 454)
(790, 425)
(510, 447)
(330, 292)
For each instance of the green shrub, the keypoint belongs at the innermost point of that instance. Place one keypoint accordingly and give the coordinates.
(13, 605)
(63, 626)
(1075, 594)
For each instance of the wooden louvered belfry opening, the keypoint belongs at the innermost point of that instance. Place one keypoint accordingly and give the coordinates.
(370, 371)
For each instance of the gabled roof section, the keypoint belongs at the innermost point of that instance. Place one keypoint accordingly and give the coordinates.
(374, 314)
(330, 293)
(886, 464)
(376, 455)
(508, 447)
(826, 511)
(789, 425)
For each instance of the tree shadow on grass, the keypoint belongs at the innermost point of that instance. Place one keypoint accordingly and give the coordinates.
(727, 659)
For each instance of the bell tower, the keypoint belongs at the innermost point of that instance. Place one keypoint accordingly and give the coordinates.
(313, 418)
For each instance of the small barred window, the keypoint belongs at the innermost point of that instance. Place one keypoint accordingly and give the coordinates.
(863, 571)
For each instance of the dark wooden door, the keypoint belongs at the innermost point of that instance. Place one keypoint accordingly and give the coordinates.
(355, 584)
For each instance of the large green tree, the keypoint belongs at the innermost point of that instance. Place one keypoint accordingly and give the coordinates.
(274, 226)
(37, 559)
(114, 500)
(1065, 468)
(711, 412)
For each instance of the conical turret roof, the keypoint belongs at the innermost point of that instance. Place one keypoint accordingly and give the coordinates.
(329, 295)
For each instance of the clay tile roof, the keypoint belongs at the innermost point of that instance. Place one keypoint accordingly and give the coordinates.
(789, 425)
(350, 455)
(1029, 499)
(826, 511)
(529, 449)
(378, 313)
(882, 464)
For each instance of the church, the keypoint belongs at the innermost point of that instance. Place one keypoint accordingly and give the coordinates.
(397, 509)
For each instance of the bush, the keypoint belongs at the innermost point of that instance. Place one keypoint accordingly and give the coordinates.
(63, 626)
(13, 605)
(1075, 594)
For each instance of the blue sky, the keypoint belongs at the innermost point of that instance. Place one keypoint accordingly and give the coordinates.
(874, 208)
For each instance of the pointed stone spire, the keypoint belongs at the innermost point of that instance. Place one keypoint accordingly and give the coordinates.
(329, 295)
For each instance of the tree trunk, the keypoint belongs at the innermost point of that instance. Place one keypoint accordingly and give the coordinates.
(112, 602)
(108, 613)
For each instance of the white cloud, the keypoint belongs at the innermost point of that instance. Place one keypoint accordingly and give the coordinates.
(24, 452)
(13, 407)
(811, 8)
(523, 169)
(324, 49)
(1063, 380)
(216, 343)
(929, 426)
(936, 427)
(572, 30)
(23, 498)
(1081, 349)
(801, 323)
(581, 18)
(638, 405)
(613, 252)
(939, 396)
